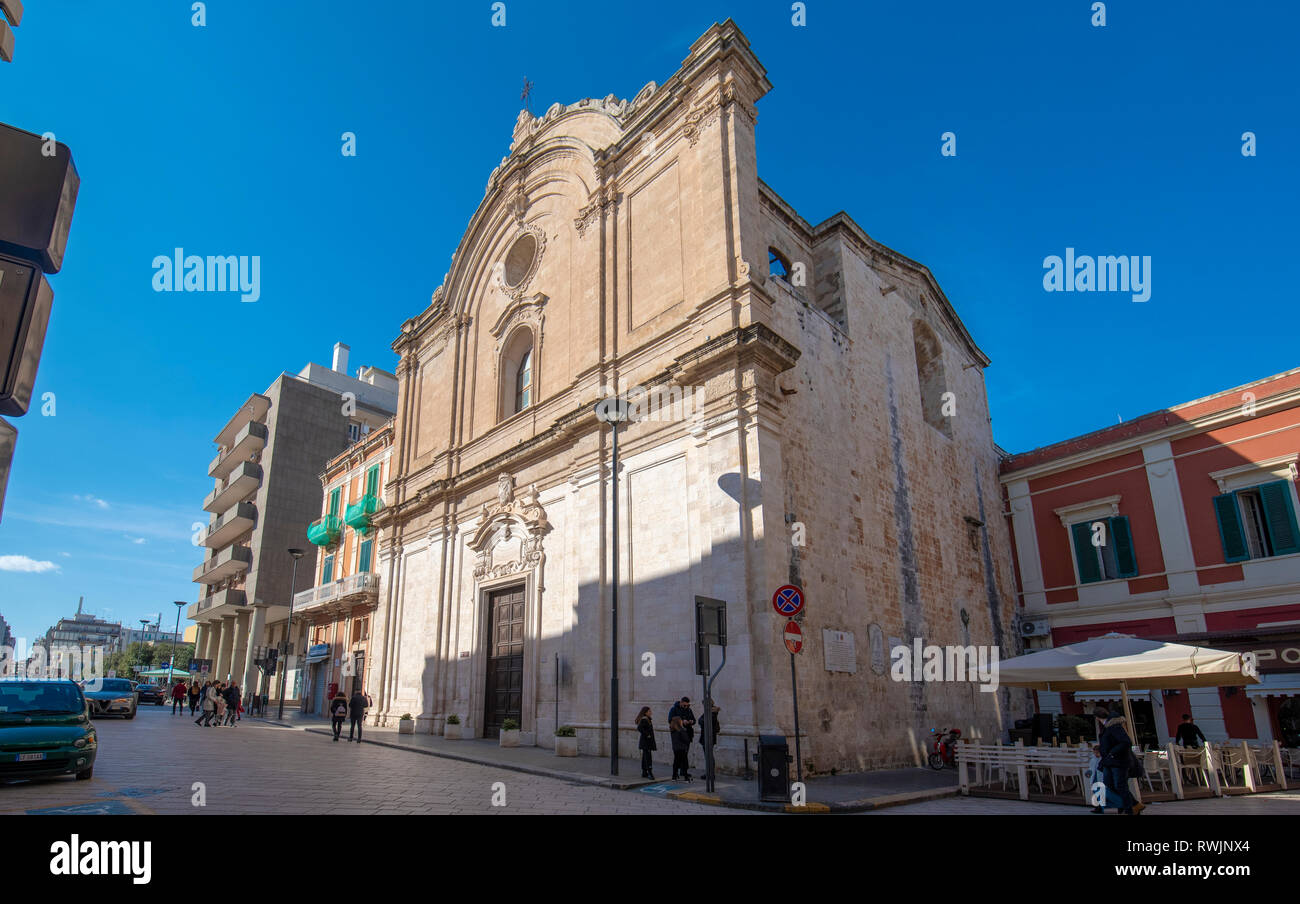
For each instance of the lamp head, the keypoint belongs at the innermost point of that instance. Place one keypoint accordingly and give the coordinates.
(297, 553)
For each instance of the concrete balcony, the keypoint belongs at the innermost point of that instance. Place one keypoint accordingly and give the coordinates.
(349, 591)
(250, 440)
(218, 605)
(242, 482)
(254, 409)
(235, 521)
(231, 560)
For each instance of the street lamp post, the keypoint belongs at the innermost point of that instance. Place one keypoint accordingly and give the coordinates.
(613, 411)
(171, 663)
(288, 629)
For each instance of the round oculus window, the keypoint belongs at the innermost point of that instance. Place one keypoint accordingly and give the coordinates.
(519, 259)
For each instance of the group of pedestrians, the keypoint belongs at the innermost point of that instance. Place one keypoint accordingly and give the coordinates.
(221, 703)
(1114, 761)
(341, 708)
(681, 731)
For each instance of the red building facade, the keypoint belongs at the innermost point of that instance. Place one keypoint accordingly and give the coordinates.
(1180, 525)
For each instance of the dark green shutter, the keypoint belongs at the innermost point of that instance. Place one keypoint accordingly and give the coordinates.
(364, 558)
(1125, 558)
(372, 481)
(1230, 532)
(1085, 553)
(327, 571)
(1279, 515)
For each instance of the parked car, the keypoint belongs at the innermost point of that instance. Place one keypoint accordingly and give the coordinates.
(150, 693)
(111, 697)
(45, 730)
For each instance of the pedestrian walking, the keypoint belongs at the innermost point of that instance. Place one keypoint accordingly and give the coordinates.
(178, 698)
(194, 696)
(1096, 775)
(681, 746)
(209, 705)
(338, 709)
(1188, 732)
(358, 705)
(232, 704)
(1116, 748)
(682, 710)
(219, 703)
(646, 743)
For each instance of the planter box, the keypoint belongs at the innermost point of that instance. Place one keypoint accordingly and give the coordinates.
(452, 732)
(566, 746)
(509, 738)
(406, 726)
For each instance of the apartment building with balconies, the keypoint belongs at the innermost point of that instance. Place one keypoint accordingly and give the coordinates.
(267, 489)
(337, 614)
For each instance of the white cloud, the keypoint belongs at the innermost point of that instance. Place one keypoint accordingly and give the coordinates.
(66, 555)
(93, 500)
(138, 541)
(22, 563)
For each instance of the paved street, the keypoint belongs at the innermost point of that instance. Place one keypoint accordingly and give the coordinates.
(150, 765)
(1281, 803)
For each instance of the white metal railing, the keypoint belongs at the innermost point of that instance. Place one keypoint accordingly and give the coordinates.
(365, 582)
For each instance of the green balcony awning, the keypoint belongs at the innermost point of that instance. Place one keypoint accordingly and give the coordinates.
(325, 532)
(357, 515)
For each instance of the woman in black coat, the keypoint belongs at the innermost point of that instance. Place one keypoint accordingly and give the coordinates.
(646, 743)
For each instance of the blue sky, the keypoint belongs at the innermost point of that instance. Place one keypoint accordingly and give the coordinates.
(226, 140)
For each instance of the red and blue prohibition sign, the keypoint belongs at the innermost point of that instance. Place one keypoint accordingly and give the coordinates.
(788, 601)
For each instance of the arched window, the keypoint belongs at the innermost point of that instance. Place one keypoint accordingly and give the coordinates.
(930, 376)
(518, 373)
(524, 381)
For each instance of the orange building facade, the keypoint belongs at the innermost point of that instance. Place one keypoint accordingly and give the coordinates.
(338, 612)
(1180, 525)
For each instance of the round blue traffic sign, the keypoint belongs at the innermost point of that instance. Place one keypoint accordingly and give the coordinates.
(788, 600)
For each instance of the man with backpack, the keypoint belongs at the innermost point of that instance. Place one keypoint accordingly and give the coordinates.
(358, 705)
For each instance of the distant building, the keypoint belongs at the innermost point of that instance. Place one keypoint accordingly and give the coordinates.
(149, 635)
(270, 455)
(1179, 525)
(7, 638)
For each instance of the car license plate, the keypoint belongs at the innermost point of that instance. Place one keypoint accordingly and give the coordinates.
(30, 757)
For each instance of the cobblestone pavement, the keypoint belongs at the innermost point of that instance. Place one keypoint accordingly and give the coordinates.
(150, 765)
(1279, 803)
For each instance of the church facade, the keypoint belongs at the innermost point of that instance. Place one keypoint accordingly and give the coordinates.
(810, 411)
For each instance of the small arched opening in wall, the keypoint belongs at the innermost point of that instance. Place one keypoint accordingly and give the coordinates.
(518, 373)
(931, 378)
(778, 264)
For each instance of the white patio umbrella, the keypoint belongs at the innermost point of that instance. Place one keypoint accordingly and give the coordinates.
(1114, 660)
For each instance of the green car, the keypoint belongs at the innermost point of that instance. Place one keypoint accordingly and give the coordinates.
(45, 730)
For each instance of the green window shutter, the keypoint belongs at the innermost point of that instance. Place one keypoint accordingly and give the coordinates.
(334, 500)
(327, 571)
(372, 481)
(364, 563)
(1089, 567)
(1122, 537)
(1230, 532)
(1279, 515)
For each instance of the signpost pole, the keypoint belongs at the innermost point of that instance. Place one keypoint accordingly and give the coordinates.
(794, 687)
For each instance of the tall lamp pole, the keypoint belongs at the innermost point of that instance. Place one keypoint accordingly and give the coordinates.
(288, 629)
(613, 411)
(171, 663)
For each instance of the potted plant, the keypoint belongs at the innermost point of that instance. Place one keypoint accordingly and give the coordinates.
(406, 724)
(566, 741)
(452, 730)
(510, 733)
